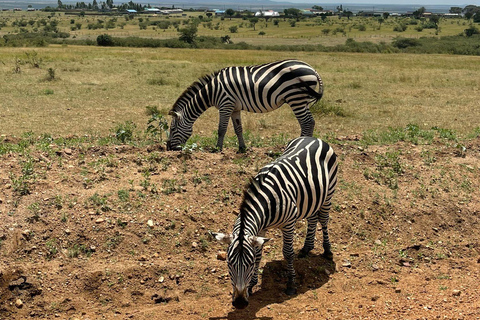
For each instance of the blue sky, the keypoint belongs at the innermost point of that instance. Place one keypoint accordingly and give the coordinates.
(455, 3)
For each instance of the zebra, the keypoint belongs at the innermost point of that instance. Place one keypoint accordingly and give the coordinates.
(259, 89)
(297, 185)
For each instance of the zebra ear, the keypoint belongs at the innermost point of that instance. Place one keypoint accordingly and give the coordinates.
(258, 241)
(174, 113)
(222, 237)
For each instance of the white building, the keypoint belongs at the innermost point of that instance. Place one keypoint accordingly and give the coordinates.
(267, 14)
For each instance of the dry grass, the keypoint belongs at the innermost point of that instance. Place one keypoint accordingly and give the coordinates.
(96, 88)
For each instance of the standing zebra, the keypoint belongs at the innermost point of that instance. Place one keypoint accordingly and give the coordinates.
(259, 89)
(298, 185)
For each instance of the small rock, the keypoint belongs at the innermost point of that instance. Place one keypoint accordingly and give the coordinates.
(142, 258)
(221, 255)
(26, 234)
(67, 231)
(150, 223)
(161, 279)
(99, 220)
(456, 293)
(347, 264)
(194, 244)
(398, 290)
(67, 151)
(19, 303)
(375, 298)
(378, 242)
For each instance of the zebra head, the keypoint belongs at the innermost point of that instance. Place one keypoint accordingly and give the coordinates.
(180, 131)
(241, 256)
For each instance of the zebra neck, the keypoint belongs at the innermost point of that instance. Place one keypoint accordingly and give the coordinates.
(248, 224)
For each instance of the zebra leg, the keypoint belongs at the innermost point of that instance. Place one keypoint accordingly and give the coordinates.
(225, 114)
(237, 125)
(305, 119)
(258, 258)
(310, 238)
(323, 217)
(289, 255)
(254, 281)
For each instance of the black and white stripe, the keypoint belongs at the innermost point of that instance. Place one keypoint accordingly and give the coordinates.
(298, 185)
(259, 89)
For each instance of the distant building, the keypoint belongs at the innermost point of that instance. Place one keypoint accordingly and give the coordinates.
(131, 11)
(219, 12)
(171, 11)
(267, 14)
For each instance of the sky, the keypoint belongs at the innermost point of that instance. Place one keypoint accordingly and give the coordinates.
(454, 3)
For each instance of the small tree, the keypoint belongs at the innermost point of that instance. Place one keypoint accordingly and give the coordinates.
(105, 40)
(230, 13)
(253, 21)
(188, 34)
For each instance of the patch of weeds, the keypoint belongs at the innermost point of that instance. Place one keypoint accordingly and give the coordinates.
(113, 241)
(197, 179)
(428, 157)
(35, 209)
(123, 195)
(124, 131)
(388, 169)
(50, 75)
(411, 133)
(52, 248)
(78, 249)
(447, 134)
(322, 107)
(48, 92)
(157, 125)
(157, 82)
(100, 202)
(170, 186)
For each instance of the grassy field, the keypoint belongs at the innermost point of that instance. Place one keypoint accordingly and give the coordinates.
(66, 90)
(311, 31)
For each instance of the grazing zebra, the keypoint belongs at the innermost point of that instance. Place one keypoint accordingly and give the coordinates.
(298, 185)
(259, 89)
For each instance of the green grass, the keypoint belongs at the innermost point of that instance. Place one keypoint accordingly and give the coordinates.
(97, 89)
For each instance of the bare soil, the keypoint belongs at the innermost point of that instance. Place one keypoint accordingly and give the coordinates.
(121, 232)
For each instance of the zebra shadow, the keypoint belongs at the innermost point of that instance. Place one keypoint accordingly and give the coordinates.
(311, 275)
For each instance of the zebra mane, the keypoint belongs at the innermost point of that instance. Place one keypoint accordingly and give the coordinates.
(192, 90)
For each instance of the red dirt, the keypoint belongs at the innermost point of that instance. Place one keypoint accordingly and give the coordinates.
(77, 248)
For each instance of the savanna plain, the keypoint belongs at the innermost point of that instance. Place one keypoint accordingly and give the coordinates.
(99, 221)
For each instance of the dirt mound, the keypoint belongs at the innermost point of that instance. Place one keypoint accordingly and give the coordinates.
(92, 232)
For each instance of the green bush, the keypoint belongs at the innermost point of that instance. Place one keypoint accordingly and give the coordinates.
(105, 40)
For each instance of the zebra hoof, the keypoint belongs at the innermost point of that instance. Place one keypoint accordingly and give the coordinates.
(242, 150)
(216, 150)
(303, 253)
(328, 255)
(290, 291)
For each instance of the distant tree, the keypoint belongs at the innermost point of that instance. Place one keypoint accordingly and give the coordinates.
(60, 4)
(471, 31)
(419, 13)
(455, 10)
(385, 15)
(323, 16)
(435, 19)
(292, 13)
(326, 31)
(188, 34)
(317, 7)
(105, 40)
(253, 21)
(380, 21)
(348, 14)
(230, 13)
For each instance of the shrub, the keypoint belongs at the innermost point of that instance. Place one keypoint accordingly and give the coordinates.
(403, 43)
(105, 40)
